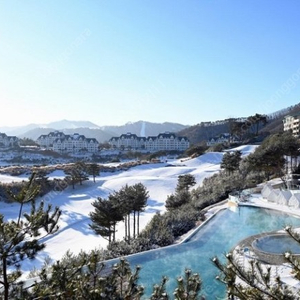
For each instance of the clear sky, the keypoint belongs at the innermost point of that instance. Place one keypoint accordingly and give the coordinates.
(114, 61)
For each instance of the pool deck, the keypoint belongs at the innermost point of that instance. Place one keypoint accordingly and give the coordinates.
(258, 201)
(244, 257)
(279, 268)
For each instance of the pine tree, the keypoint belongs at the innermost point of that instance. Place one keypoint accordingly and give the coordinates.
(188, 287)
(77, 173)
(105, 217)
(185, 182)
(20, 239)
(141, 196)
(231, 161)
(182, 194)
(94, 170)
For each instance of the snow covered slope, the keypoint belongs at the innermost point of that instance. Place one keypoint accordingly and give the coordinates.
(75, 234)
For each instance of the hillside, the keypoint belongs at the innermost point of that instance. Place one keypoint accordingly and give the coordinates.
(275, 123)
(143, 128)
(204, 131)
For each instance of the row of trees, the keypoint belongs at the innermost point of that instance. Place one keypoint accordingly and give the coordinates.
(164, 228)
(86, 277)
(277, 155)
(248, 127)
(80, 171)
(119, 206)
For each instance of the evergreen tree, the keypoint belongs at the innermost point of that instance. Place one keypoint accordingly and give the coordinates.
(20, 239)
(158, 232)
(105, 217)
(77, 173)
(269, 157)
(141, 196)
(256, 122)
(185, 182)
(188, 288)
(126, 200)
(254, 282)
(182, 194)
(94, 170)
(178, 199)
(231, 161)
(42, 181)
(87, 277)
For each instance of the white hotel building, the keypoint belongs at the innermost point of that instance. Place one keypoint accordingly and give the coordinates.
(7, 142)
(64, 143)
(163, 141)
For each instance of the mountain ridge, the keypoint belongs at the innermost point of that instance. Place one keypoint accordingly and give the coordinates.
(195, 133)
(56, 125)
(89, 129)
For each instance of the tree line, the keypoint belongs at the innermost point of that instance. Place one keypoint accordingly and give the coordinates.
(119, 206)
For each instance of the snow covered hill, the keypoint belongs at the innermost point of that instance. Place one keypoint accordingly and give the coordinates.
(75, 234)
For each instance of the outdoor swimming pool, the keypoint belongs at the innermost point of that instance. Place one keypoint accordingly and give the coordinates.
(215, 238)
(277, 244)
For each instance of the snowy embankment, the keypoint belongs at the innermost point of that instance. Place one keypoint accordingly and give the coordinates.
(74, 233)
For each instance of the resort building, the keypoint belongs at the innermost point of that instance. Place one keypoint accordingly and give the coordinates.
(64, 143)
(164, 141)
(224, 138)
(292, 123)
(8, 142)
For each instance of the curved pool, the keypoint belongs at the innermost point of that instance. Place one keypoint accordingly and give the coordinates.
(277, 244)
(219, 235)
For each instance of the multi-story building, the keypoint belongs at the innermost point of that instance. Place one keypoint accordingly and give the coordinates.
(292, 123)
(164, 141)
(127, 141)
(224, 138)
(47, 141)
(64, 143)
(8, 141)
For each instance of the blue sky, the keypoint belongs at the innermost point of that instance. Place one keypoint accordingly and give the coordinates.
(112, 61)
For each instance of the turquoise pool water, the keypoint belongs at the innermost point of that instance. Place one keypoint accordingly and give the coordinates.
(215, 238)
(277, 244)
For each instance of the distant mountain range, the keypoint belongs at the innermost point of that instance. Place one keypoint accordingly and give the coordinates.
(91, 130)
(196, 133)
(59, 125)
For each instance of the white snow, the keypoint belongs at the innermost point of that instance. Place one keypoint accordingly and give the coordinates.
(9, 178)
(74, 233)
(57, 174)
(245, 149)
